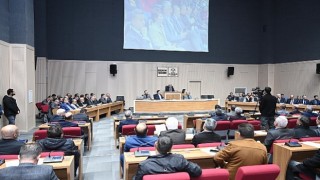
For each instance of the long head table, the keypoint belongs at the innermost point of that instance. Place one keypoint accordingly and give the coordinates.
(167, 106)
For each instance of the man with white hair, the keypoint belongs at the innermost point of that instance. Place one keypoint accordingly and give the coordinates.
(280, 132)
(177, 135)
(127, 121)
(207, 135)
(59, 116)
(238, 115)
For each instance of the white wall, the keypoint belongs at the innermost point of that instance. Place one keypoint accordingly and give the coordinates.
(134, 77)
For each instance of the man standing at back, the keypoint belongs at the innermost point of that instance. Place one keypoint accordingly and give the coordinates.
(10, 106)
(267, 109)
(243, 152)
(28, 168)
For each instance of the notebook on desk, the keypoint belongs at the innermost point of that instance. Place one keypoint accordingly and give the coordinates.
(53, 159)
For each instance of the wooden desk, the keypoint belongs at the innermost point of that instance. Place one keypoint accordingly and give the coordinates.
(188, 120)
(283, 154)
(201, 156)
(167, 106)
(63, 170)
(122, 141)
(250, 106)
(172, 95)
(85, 127)
(259, 135)
(80, 144)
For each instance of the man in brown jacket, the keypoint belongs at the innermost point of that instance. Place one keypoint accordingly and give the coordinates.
(244, 152)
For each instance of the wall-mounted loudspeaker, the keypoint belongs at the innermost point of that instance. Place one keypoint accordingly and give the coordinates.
(318, 68)
(230, 71)
(113, 69)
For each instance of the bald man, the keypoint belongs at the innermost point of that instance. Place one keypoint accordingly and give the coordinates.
(9, 143)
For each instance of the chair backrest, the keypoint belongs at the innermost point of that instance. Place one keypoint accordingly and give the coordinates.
(313, 121)
(128, 129)
(39, 105)
(256, 124)
(52, 153)
(143, 148)
(292, 123)
(182, 146)
(235, 123)
(282, 141)
(310, 139)
(9, 156)
(71, 132)
(261, 172)
(39, 134)
(120, 98)
(216, 144)
(305, 176)
(170, 176)
(45, 108)
(222, 125)
(151, 129)
(209, 174)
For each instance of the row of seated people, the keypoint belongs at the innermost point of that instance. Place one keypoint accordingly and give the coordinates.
(10, 145)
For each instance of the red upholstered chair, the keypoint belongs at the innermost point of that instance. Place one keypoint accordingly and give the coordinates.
(182, 146)
(313, 121)
(209, 174)
(143, 148)
(255, 124)
(52, 153)
(305, 177)
(282, 141)
(179, 126)
(260, 172)
(151, 129)
(72, 132)
(292, 123)
(9, 157)
(128, 130)
(170, 176)
(39, 134)
(209, 145)
(310, 139)
(222, 125)
(235, 123)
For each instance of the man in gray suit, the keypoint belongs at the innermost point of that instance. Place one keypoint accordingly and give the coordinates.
(28, 168)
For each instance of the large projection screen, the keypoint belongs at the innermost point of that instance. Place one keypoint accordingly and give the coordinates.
(171, 25)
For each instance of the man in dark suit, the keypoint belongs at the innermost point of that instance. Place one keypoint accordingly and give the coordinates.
(129, 120)
(290, 100)
(66, 122)
(103, 99)
(81, 116)
(315, 101)
(28, 168)
(178, 136)
(207, 135)
(10, 106)
(238, 115)
(267, 108)
(304, 100)
(157, 96)
(108, 98)
(9, 143)
(169, 88)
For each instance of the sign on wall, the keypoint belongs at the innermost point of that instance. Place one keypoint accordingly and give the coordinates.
(165, 72)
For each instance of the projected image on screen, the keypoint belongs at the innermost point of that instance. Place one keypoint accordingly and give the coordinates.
(172, 25)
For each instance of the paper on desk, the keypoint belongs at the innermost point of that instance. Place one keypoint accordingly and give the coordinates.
(207, 150)
(317, 145)
(260, 132)
(161, 127)
(12, 163)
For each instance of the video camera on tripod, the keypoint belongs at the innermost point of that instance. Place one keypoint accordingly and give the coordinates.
(257, 91)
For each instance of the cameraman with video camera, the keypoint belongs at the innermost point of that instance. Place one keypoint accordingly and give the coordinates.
(267, 109)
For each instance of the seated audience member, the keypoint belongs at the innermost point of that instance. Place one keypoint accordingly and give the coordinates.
(146, 95)
(28, 169)
(66, 105)
(283, 99)
(59, 116)
(295, 110)
(165, 162)
(103, 99)
(290, 100)
(56, 142)
(108, 98)
(86, 99)
(315, 100)
(241, 98)
(241, 152)
(157, 96)
(187, 96)
(219, 115)
(129, 120)
(169, 88)
(54, 97)
(238, 115)
(303, 128)
(309, 167)
(67, 122)
(283, 111)
(249, 98)
(297, 100)
(318, 127)
(232, 111)
(81, 102)
(280, 132)
(231, 97)
(304, 100)
(207, 135)
(178, 136)
(93, 100)
(47, 101)
(74, 104)
(308, 112)
(81, 116)
(55, 104)
(9, 143)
